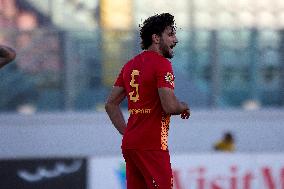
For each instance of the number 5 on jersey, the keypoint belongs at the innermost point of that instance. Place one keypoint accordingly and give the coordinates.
(134, 85)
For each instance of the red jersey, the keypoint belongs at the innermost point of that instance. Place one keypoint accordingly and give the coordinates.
(147, 126)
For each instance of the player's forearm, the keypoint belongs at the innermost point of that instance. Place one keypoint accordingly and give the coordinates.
(170, 103)
(115, 114)
(176, 108)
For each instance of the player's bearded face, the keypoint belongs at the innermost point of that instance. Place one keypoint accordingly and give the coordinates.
(165, 49)
(167, 42)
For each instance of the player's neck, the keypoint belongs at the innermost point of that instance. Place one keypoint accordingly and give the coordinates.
(155, 48)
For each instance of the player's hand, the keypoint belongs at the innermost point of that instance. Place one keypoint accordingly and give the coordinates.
(185, 114)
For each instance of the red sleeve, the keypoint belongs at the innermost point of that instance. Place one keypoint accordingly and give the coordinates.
(119, 79)
(165, 75)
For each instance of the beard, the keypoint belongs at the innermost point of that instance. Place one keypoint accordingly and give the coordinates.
(166, 50)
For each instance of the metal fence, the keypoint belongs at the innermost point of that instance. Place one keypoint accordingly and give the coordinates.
(74, 70)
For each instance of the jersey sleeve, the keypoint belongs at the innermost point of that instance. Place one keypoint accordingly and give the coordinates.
(165, 75)
(119, 80)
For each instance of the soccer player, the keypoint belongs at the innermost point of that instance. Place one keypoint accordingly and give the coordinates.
(7, 55)
(147, 81)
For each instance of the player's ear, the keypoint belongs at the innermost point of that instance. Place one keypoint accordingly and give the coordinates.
(155, 38)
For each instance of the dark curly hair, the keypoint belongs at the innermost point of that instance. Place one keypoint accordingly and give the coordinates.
(155, 25)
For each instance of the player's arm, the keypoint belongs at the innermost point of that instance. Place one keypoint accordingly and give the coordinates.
(7, 55)
(113, 110)
(171, 105)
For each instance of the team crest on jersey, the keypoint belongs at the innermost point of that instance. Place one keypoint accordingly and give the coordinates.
(169, 77)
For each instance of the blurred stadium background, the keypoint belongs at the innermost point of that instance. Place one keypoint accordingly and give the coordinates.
(228, 65)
